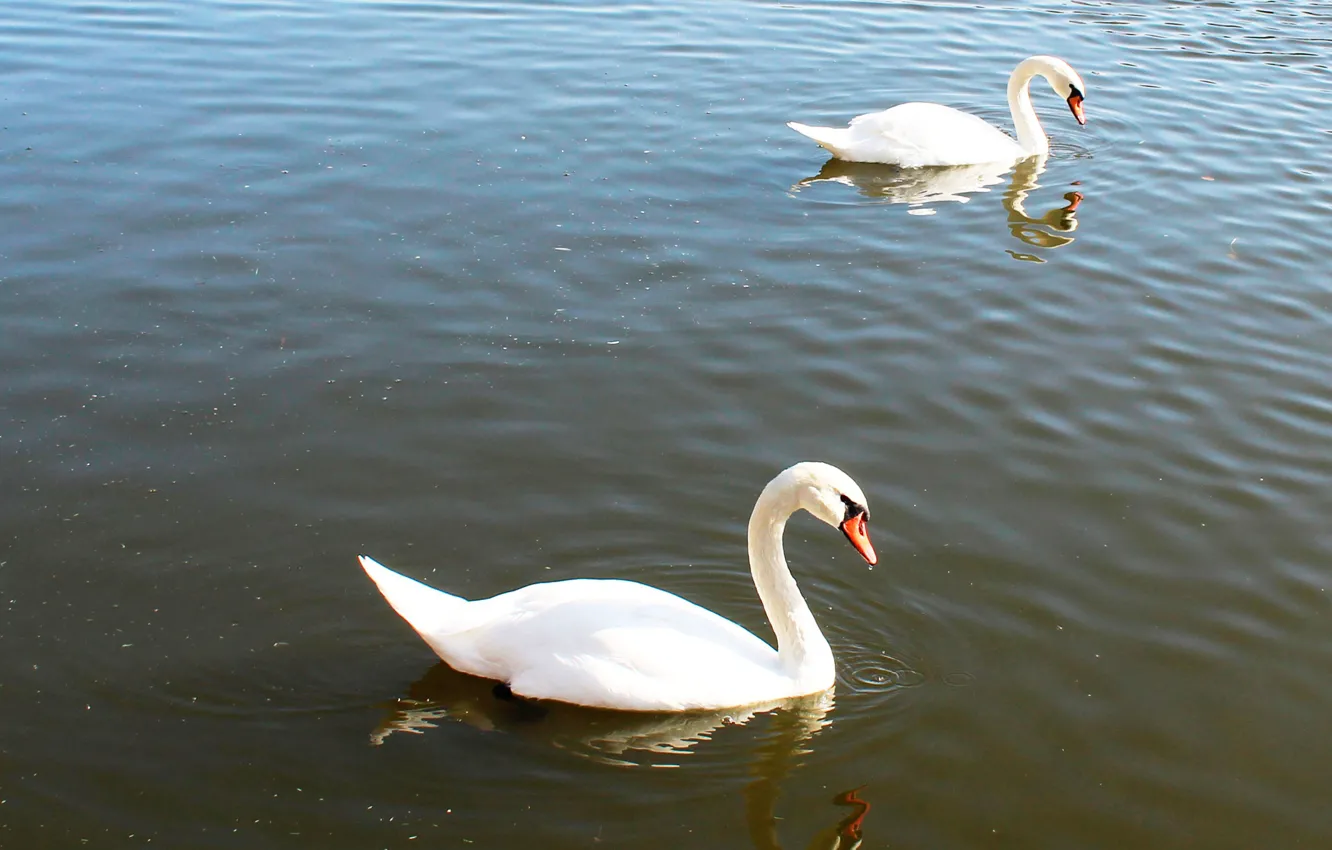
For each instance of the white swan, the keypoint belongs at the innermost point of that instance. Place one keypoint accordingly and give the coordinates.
(619, 644)
(924, 134)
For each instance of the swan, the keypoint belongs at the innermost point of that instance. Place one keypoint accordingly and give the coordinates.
(610, 643)
(915, 135)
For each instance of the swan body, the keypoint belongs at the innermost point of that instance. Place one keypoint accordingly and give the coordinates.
(916, 135)
(618, 644)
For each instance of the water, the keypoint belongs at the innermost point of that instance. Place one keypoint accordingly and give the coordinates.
(510, 292)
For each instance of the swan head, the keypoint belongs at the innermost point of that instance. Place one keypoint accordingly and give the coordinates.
(829, 494)
(1065, 82)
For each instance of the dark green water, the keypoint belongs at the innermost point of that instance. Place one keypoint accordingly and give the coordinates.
(508, 292)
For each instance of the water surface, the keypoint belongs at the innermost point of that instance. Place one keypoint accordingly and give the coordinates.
(507, 292)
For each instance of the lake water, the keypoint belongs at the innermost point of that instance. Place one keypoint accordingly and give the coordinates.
(510, 292)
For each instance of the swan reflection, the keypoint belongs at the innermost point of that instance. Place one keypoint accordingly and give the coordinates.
(775, 759)
(443, 694)
(632, 738)
(922, 188)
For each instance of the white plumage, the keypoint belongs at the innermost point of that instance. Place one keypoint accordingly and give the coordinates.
(620, 644)
(916, 135)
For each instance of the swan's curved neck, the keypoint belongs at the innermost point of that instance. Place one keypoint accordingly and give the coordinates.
(1031, 137)
(801, 648)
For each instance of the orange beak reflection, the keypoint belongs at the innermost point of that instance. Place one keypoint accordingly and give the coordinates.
(855, 530)
(1075, 106)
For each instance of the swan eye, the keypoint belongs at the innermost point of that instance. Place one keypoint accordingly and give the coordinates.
(1074, 91)
(853, 509)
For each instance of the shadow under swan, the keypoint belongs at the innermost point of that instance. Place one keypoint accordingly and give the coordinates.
(921, 188)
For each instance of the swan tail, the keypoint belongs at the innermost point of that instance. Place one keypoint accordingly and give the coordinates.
(832, 138)
(432, 613)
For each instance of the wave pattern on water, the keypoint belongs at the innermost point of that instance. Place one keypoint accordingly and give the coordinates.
(504, 292)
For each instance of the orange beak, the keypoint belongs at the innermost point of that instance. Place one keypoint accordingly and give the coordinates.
(1075, 106)
(855, 531)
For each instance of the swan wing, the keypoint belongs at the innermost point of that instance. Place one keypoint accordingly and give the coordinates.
(596, 642)
(616, 644)
(915, 135)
